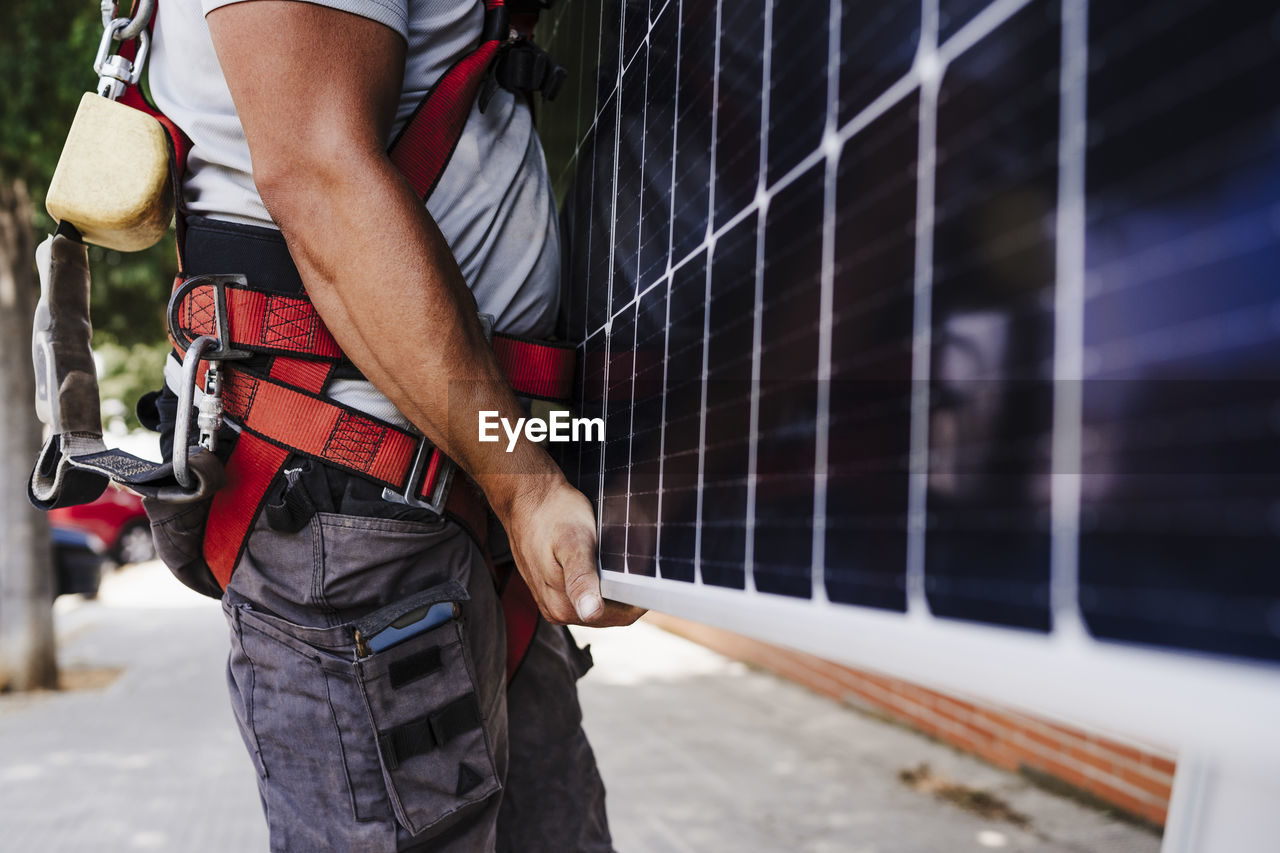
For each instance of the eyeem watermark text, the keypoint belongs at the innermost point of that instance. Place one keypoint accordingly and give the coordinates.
(558, 427)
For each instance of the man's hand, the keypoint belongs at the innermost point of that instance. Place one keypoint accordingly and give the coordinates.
(381, 274)
(553, 539)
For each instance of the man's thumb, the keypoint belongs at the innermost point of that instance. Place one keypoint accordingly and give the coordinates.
(581, 584)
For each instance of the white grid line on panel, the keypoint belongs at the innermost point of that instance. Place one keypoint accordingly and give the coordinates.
(635, 331)
(631, 429)
(635, 298)
(1069, 323)
(928, 70)
(666, 321)
(715, 122)
(702, 415)
(613, 219)
(662, 432)
(710, 245)
(822, 439)
(624, 61)
(757, 313)
(675, 159)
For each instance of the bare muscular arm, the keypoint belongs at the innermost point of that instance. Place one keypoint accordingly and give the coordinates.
(316, 91)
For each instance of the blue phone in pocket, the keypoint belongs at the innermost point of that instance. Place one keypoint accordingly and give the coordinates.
(412, 624)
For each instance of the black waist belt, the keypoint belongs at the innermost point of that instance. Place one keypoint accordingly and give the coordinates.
(214, 246)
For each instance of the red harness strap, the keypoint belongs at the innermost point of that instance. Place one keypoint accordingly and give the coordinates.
(277, 324)
(284, 414)
(425, 144)
(520, 613)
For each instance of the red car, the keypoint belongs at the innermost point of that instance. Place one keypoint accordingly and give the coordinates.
(117, 518)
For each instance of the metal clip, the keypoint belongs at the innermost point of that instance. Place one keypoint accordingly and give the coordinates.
(114, 71)
(209, 409)
(221, 320)
(142, 12)
(213, 349)
(439, 494)
(186, 402)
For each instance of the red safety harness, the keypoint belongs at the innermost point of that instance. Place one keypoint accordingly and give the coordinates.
(284, 414)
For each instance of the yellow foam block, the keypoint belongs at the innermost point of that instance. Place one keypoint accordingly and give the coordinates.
(112, 180)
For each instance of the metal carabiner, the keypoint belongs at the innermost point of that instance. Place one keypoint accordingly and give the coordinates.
(186, 402)
(138, 21)
(114, 71)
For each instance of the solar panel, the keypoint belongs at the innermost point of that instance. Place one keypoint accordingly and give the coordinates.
(925, 330)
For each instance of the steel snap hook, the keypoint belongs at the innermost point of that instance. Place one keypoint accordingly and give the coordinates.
(140, 20)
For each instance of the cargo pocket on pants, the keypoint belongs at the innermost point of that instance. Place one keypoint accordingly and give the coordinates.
(427, 720)
(302, 717)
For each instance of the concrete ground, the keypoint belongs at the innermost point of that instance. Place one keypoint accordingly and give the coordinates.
(699, 753)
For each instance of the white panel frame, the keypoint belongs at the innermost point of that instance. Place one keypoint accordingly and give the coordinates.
(1174, 700)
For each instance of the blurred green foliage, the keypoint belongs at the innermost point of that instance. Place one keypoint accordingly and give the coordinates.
(128, 372)
(46, 62)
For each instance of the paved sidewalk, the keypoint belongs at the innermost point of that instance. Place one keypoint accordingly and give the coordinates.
(699, 753)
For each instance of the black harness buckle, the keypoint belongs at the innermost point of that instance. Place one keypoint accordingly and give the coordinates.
(523, 67)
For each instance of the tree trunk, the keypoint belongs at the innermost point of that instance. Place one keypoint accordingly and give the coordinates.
(27, 653)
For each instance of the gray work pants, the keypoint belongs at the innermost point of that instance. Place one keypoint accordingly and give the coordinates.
(421, 746)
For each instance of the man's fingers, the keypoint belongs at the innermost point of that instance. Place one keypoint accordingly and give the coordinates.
(576, 553)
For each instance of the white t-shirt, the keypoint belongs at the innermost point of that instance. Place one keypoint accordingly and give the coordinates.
(493, 203)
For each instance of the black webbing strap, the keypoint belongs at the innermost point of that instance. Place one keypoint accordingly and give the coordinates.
(415, 666)
(420, 736)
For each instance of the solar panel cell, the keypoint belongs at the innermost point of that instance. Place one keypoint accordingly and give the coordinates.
(787, 391)
(797, 83)
(878, 43)
(954, 14)
(872, 315)
(682, 420)
(629, 182)
(659, 150)
(646, 430)
(990, 413)
(739, 82)
(695, 108)
(727, 406)
(615, 486)
(599, 207)
(1179, 536)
